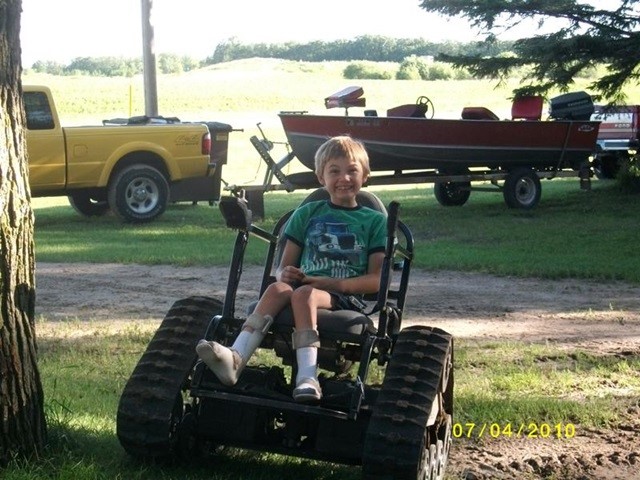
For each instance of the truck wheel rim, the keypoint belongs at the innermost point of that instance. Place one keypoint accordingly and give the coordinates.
(142, 195)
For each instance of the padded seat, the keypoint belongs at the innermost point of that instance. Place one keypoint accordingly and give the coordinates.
(334, 322)
(336, 327)
(478, 113)
(331, 321)
(410, 110)
(527, 108)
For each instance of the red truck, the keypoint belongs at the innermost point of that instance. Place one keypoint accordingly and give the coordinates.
(618, 137)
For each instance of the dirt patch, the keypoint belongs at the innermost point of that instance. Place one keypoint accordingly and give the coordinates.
(605, 318)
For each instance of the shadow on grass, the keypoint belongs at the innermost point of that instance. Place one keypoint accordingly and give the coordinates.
(81, 454)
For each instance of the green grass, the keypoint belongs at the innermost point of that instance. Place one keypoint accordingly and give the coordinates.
(524, 382)
(84, 366)
(571, 234)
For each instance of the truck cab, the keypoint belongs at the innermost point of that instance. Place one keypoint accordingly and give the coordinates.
(45, 142)
(133, 168)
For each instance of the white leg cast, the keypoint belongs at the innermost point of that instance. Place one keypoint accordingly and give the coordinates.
(228, 363)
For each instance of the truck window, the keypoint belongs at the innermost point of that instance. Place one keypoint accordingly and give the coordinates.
(38, 110)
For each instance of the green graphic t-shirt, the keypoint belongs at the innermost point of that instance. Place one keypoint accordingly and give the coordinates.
(336, 241)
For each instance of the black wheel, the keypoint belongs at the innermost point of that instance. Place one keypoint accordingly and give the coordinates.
(152, 414)
(452, 194)
(138, 193)
(409, 434)
(606, 166)
(427, 104)
(522, 189)
(88, 205)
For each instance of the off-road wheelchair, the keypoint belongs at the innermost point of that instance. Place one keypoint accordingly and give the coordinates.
(387, 399)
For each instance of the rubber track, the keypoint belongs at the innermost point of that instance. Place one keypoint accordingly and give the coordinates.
(148, 398)
(393, 448)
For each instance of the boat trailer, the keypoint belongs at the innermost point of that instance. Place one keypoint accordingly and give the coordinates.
(520, 186)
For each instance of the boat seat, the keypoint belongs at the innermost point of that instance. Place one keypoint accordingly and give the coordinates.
(527, 108)
(345, 98)
(411, 110)
(478, 113)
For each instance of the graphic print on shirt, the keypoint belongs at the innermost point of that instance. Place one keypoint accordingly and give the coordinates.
(333, 247)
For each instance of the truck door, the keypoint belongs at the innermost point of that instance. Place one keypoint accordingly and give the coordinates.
(45, 145)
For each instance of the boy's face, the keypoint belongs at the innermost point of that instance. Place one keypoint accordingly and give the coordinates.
(343, 179)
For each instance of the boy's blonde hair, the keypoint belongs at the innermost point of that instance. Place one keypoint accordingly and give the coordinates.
(342, 147)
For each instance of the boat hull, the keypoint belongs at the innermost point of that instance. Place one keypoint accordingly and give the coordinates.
(398, 144)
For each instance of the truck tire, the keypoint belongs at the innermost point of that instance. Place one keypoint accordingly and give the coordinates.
(452, 194)
(152, 419)
(138, 193)
(87, 205)
(606, 166)
(403, 441)
(522, 189)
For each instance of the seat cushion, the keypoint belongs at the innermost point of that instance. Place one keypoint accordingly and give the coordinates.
(331, 321)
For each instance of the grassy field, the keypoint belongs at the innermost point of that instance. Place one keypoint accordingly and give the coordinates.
(572, 233)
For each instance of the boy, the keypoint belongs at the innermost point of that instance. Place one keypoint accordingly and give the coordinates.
(315, 271)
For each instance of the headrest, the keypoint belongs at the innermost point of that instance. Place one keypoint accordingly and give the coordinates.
(364, 198)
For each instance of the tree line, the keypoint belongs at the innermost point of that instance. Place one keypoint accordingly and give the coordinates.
(372, 48)
(115, 66)
(365, 48)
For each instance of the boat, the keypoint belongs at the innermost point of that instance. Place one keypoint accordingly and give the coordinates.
(409, 146)
(406, 139)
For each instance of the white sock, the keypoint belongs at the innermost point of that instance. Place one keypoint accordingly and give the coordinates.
(307, 358)
(240, 343)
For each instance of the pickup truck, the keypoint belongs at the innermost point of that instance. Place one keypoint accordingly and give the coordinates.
(133, 169)
(619, 132)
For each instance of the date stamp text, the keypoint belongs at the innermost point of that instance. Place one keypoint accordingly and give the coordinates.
(511, 430)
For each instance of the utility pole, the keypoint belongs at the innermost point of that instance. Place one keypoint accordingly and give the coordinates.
(149, 60)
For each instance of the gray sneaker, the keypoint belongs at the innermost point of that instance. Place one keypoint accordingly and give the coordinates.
(308, 390)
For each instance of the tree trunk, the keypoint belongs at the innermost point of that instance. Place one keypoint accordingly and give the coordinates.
(22, 423)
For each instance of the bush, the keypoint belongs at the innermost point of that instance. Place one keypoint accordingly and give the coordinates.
(412, 68)
(366, 71)
(629, 175)
(424, 68)
(408, 72)
(439, 71)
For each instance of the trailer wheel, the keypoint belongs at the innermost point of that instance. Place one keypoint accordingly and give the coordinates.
(87, 205)
(522, 189)
(138, 193)
(606, 166)
(452, 194)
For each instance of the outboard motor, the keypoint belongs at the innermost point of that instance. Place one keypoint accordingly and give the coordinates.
(572, 106)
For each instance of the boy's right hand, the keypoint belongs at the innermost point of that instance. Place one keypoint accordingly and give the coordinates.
(292, 275)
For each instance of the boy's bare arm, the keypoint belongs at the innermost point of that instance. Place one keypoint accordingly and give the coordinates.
(288, 271)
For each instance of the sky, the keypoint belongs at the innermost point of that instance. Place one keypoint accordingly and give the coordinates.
(61, 30)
